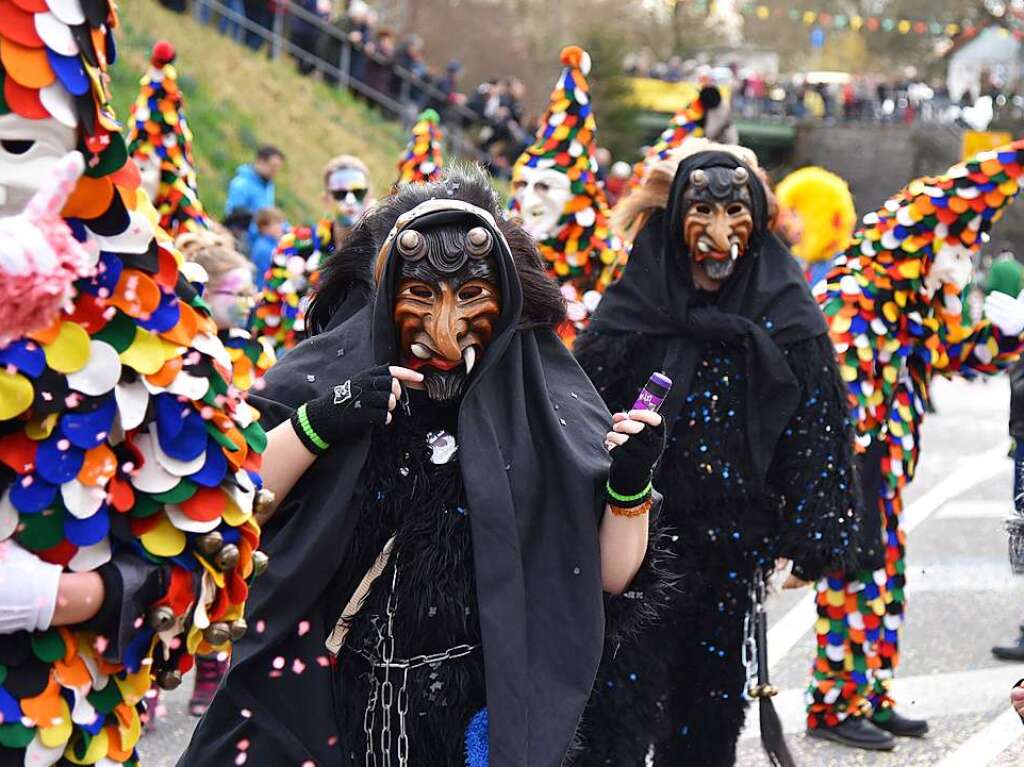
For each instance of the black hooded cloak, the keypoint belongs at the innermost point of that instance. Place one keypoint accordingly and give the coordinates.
(763, 305)
(758, 466)
(530, 430)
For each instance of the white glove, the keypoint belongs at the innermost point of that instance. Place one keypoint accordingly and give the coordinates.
(28, 590)
(1005, 313)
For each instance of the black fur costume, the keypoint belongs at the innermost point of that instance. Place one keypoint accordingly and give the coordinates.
(423, 505)
(734, 501)
(528, 482)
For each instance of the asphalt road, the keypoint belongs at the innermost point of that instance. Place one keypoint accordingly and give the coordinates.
(962, 599)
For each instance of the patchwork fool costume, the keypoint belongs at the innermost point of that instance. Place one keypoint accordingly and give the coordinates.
(160, 142)
(817, 217)
(557, 195)
(124, 450)
(706, 109)
(758, 464)
(294, 270)
(414, 618)
(894, 313)
(422, 160)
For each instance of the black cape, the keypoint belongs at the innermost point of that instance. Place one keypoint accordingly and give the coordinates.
(531, 433)
(763, 305)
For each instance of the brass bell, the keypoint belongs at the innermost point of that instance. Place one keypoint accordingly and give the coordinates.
(226, 558)
(217, 633)
(168, 679)
(160, 618)
(210, 543)
(260, 562)
(262, 506)
(237, 629)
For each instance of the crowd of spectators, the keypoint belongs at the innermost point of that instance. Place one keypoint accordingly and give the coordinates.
(348, 46)
(837, 96)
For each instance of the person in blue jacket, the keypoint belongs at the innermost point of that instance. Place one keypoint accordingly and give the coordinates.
(252, 188)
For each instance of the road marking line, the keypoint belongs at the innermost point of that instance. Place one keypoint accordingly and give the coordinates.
(988, 742)
(790, 627)
(925, 696)
(976, 509)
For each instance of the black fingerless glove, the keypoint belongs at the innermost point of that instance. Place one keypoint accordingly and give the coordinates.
(629, 477)
(348, 409)
(130, 585)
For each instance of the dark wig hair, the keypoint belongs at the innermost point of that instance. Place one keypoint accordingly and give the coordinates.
(348, 272)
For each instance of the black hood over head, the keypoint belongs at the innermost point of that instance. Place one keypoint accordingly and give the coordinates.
(764, 304)
(530, 433)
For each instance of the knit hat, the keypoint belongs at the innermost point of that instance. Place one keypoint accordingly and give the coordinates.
(583, 252)
(422, 160)
(822, 205)
(159, 129)
(121, 432)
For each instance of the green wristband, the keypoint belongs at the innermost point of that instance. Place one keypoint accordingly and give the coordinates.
(642, 495)
(307, 430)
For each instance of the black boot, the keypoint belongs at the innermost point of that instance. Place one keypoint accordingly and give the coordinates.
(900, 725)
(1013, 651)
(858, 732)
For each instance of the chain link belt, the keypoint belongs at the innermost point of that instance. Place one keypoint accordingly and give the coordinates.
(755, 657)
(382, 695)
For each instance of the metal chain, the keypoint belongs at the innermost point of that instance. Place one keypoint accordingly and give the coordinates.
(403, 709)
(387, 690)
(368, 719)
(749, 648)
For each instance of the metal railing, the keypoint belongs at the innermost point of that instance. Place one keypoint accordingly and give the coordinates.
(401, 106)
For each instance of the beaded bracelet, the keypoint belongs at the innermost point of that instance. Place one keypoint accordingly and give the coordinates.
(635, 511)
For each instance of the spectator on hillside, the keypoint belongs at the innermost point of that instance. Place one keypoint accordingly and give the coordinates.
(261, 15)
(252, 188)
(448, 85)
(270, 226)
(380, 62)
(304, 31)
(409, 57)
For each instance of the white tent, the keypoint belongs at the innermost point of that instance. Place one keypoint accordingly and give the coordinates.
(994, 50)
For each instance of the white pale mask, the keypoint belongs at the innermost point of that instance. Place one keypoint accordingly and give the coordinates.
(542, 194)
(29, 149)
(952, 265)
(149, 170)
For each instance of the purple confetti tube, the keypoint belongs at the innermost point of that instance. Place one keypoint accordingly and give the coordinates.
(653, 393)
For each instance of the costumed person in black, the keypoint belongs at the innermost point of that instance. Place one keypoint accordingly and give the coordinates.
(1014, 650)
(444, 530)
(758, 465)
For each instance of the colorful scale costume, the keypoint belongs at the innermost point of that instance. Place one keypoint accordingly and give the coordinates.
(121, 431)
(159, 129)
(251, 358)
(891, 339)
(280, 315)
(422, 160)
(583, 255)
(817, 215)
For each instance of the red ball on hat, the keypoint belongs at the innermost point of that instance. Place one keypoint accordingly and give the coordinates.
(163, 53)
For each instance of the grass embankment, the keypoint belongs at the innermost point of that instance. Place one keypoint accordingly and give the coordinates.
(237, 100)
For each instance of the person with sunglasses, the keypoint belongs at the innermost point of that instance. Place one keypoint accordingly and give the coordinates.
(295, 266)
